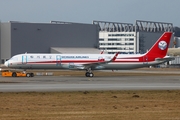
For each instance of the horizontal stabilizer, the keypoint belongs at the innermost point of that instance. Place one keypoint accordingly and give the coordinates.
(165, 59)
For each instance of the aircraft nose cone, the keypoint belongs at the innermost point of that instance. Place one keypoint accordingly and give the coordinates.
(6, 64)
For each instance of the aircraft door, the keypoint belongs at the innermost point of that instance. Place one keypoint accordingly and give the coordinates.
(24, 59)
(145, 59)
(58, 60)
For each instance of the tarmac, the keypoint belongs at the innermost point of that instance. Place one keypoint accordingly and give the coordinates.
(159, 81)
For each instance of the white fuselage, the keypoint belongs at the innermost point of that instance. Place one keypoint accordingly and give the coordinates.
(79, 61)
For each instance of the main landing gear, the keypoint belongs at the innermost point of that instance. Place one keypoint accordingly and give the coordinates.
(89, 73)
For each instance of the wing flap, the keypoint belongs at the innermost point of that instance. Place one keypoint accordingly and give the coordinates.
(86, 66)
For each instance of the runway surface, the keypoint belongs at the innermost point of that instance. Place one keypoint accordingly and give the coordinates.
(68, 83)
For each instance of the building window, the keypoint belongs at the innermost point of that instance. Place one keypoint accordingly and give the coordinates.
(131, 48)
(111, 48)
(131, 39)
(110, 39)
(129, 43)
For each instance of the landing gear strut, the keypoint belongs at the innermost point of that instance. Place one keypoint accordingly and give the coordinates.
(89, 73)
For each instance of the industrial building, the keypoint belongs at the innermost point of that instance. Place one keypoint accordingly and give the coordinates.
(68, 37)
(20, 37)
(127, 38)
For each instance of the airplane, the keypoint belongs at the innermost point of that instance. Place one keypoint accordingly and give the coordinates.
(89, 62)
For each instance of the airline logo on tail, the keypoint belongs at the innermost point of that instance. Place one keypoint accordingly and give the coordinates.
(159, 49)
(162, 45)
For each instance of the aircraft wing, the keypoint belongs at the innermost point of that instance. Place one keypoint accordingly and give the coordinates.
(90, 65)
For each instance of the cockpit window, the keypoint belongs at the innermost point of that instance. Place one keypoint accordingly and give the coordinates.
(14, 58)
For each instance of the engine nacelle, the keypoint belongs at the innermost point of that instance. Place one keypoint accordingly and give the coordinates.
(99, 67)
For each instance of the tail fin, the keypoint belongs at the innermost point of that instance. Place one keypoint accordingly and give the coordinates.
(159, 49)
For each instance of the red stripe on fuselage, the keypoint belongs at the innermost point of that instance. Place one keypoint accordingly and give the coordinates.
(68, 61)
(88, 61)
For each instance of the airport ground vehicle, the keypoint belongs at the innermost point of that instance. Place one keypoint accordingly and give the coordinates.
(7, 73)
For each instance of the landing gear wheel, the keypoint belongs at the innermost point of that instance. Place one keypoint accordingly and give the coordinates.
(89, 74)
(14, 74)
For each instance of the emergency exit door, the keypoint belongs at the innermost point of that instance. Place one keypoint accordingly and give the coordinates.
(58, 60)
(24, 59)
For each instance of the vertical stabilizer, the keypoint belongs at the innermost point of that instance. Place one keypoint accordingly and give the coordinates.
(159, 49)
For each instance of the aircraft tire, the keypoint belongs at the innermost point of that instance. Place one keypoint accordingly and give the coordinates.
(14, 74)
(89, 74)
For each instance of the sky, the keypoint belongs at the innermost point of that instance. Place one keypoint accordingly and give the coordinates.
(85, 11)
